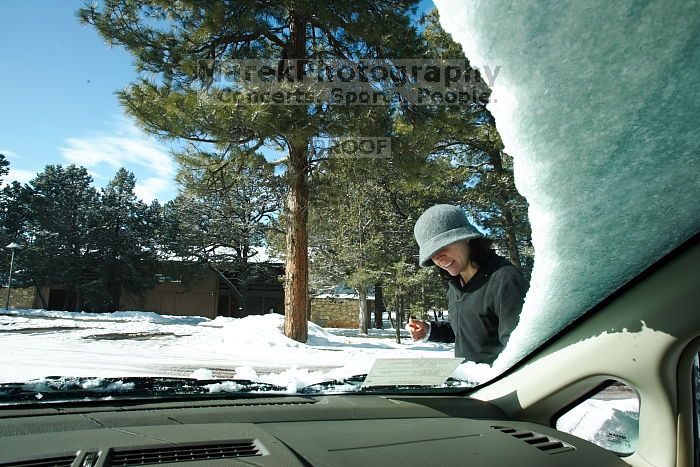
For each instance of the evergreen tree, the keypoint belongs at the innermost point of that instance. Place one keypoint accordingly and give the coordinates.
(363, 212)
(350, 229)
(7, 231)
(4, 166)
(172, 40)
(10, 218)
(14, 216)
(362, 227)
(62, 243)
(468, 138)
(14, 213)
(125, 240)
(226, 206)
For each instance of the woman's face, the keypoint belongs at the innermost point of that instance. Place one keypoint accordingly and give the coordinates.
(454, 258)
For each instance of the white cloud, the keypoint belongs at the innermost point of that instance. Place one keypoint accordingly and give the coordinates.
(126, 147)
(9, 153)
(22, 176)
(16, 175)
(148, 189)
(96, 175)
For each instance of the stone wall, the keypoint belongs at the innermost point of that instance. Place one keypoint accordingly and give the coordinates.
(338, 312)
(19, 297)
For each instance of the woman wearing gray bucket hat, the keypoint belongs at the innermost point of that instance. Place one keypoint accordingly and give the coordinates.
(485, 291)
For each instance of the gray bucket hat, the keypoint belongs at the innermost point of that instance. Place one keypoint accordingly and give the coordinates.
(440, 226)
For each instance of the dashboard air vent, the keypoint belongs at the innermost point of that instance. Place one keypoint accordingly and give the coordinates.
(543, 443)
(187, 453)
(59, 461)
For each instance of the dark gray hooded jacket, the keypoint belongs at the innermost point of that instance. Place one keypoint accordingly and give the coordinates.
(483, 312)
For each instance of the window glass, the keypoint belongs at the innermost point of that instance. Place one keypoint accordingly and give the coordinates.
(610, 419)
(204, 196)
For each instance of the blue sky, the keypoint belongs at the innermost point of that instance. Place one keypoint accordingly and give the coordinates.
(57, 101)
(58, 104)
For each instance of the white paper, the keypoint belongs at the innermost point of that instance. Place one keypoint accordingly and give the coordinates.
(411, 371)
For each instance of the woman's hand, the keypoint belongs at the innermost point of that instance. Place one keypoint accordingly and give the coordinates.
(417, 328)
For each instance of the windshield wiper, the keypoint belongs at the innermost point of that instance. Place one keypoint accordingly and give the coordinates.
(351, 384)
(63, 389)
(354, 384)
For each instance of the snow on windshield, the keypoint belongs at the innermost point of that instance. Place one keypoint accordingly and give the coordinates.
(597, 102)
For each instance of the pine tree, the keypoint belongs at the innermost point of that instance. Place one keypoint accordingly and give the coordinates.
(125, 238)
(62, 244)
(4, 166)
(362, 222)
(172, 40)
(227, 204)
(467, 136)
(349, 229)
(363, 212)
(14, 216)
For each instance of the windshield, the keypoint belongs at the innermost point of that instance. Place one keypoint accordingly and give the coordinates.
(285, 198)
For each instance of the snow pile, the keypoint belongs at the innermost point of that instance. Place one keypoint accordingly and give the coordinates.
(47, 385)
(598, 104)
(294, 379)
(226, 386)
(268, 331)
(135, 316)
(202, 373)
(257, 331)
(99, 382)
(474, 373)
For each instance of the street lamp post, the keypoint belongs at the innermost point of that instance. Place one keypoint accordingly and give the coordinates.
(14, 247)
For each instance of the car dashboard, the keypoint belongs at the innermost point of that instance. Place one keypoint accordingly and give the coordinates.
(328, 430)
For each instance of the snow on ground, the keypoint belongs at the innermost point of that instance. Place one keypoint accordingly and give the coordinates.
(39, 343)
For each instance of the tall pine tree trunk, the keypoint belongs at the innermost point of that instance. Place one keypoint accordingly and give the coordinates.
(296, 294)
(297, 267)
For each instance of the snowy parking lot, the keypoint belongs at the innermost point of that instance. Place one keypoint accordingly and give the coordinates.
(39, 343)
